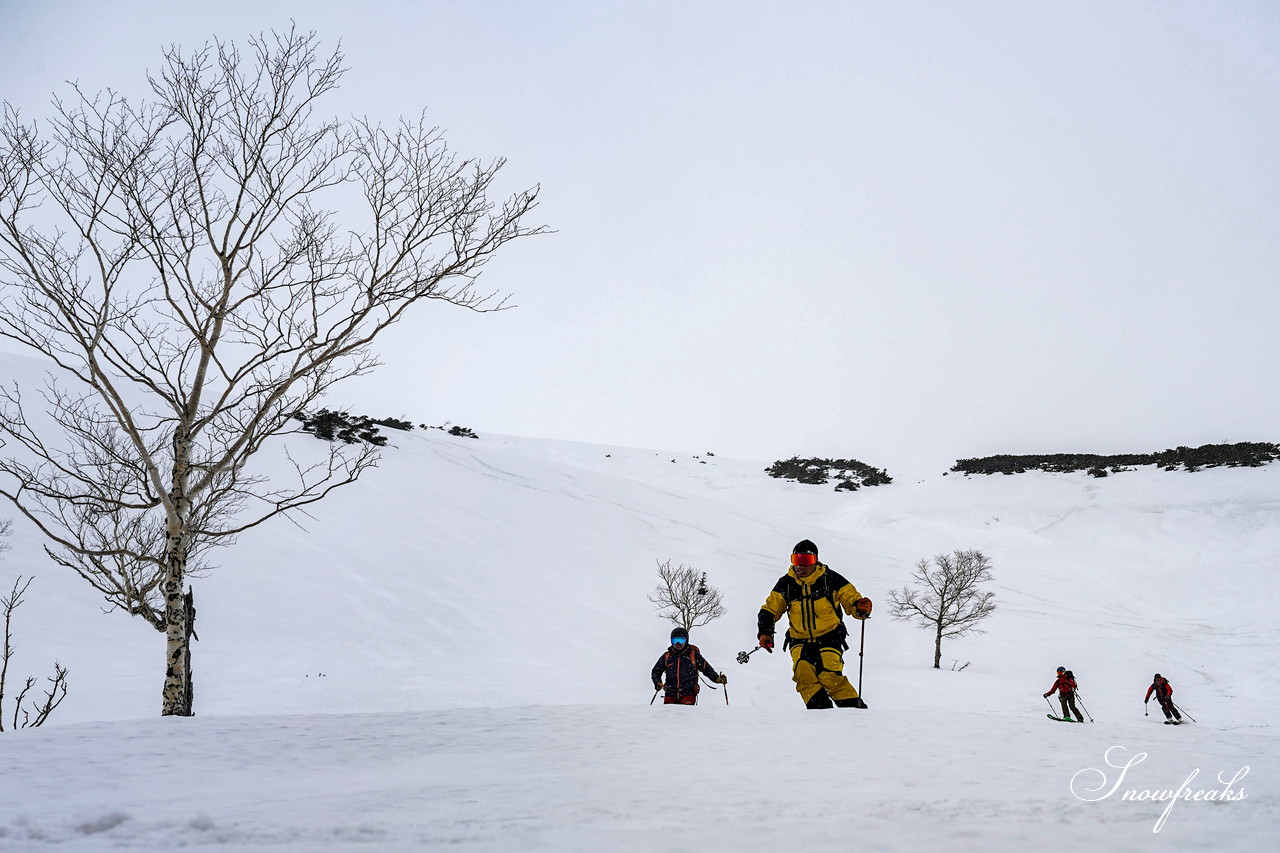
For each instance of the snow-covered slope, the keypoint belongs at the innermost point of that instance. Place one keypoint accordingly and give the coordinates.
(510, 571)
(493, 592)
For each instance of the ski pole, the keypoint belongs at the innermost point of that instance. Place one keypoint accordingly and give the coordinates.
(655, 695)
(1086, 710)
(1047, 702)
(726, 694)
(862, 642)
(1188, 716)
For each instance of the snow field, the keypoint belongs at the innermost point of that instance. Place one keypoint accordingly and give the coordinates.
(455, 653)
(624, 778)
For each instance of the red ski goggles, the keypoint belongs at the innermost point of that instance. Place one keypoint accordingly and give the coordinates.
(804, 559)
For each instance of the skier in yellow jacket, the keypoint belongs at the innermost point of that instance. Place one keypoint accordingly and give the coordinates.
(813, 598)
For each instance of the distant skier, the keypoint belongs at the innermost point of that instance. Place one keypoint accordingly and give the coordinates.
(1164, 695)
(1066, 687)
(680, 664)
(811, 595)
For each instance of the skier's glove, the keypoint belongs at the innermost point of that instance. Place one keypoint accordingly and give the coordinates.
(766, 642)
(862, 608)
(1047, 695)
(657, 685)
(723, 679)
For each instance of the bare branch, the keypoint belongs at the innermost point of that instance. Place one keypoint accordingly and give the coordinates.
(57, 682)
(684, 596)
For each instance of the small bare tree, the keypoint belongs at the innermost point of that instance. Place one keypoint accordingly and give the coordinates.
(182, 262)
(946, 597)
(22, 716)
(684, 597)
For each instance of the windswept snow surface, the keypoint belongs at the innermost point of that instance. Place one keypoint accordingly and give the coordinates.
(454, 654)
(628, 778)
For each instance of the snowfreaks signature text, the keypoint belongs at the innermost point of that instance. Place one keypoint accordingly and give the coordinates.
(1184, 791)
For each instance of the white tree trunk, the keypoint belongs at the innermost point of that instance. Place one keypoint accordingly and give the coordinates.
(176, 695)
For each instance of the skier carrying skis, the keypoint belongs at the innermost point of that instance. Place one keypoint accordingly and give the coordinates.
(1164, 695)
(1066, 687)
(812, 596)
(681, 664)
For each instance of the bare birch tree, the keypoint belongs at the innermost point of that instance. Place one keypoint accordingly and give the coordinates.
(181, 261)
(684, 596)
(946, 597)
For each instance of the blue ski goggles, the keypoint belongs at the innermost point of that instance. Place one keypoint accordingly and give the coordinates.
(679, 641)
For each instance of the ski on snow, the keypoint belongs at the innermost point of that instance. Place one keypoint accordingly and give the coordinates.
(1061, 720)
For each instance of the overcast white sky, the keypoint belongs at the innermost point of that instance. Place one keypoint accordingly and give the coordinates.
(901, 232)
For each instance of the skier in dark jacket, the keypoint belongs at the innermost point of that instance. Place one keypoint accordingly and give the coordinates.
(1066, 687)
(1164, 695)
(680, 665)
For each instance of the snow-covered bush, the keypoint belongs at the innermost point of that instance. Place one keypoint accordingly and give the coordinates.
(849, 474)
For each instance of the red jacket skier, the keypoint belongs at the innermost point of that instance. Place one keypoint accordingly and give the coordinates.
(1066, 688)
(1164, 695)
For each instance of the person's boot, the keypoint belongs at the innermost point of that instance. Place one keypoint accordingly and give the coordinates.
(819, 700)
(855, 702)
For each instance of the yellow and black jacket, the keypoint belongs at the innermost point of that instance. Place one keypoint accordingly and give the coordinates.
(814, 606)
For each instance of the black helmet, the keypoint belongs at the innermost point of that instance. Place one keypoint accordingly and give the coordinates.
(681, 632)
(804, 546)
(1156, 676)
(1062, 669)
